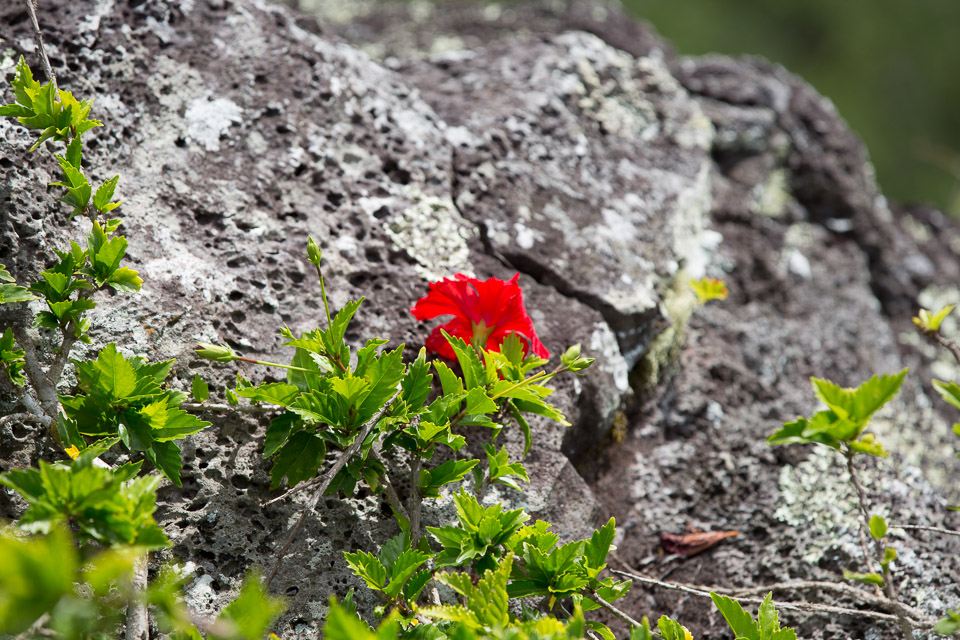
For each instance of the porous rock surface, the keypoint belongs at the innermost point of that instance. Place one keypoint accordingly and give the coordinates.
(607, 172)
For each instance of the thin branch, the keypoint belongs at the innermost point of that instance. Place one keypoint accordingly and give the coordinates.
(620, 615)
(804, 607)
(327, 479)
(946, 532)
(26, 418)
(950, 345)
(69, 339)
(32, 9)
(226, 408)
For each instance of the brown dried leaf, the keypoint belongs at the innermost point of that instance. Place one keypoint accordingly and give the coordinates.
(690, 544)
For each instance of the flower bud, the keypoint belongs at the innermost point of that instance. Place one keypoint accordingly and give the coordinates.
(313, 252)
(216, 352)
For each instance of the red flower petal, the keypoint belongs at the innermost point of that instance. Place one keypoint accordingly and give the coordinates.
(485, 311)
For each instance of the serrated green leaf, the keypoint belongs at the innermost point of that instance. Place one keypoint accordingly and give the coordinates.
(105, 193)
(166, 457)
(298, 459)
(794, 433)
(478, 402)
(199, 388)
(740, 622)
(449, 382)
(474, 374)
(368, 568)
(857, 405)
(448, 472)
(599, 545)
(279, 431)
(276, 393)
(949, 391)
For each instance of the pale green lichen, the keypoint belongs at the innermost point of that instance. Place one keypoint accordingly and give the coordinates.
(818, 498)
(678, 303)
(772, 197)
(434, 234)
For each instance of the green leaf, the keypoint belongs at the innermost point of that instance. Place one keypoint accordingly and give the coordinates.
(368, 568)
(878, 527)
(279, 431)
(866, 578)
(449, 382)
(12, 358)
(250, 615)
(478, 402)
(115, 374)
(298, 459)
(600, 545)
(405, 566)
(276, 393)
(857, 405)
(341, 625)
(707, 289)
(889, 555)
(11, 293)
(178, 424)
(949, 391)
(199, 389)
(166, 457)
(384, 374)
(35, 574)
(448, 472)
(869, 445)
(739, 621)
(474, 374)
(75, 152)
(104, 194)
(931, 321)
(796, 433)
(670, 629)
(949, 624)
(415, 386)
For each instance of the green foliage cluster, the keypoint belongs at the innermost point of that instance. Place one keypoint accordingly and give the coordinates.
(52, 585)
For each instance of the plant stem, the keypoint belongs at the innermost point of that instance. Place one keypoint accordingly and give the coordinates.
(623, 617)
(45, 389)
(274, 364)
(138, 625)
(327, 479)
(889, 587)
(950, 345)
(323, 294)
(32, 10)
(414, 500)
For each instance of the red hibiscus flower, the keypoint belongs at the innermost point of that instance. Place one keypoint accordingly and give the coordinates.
(484, 313)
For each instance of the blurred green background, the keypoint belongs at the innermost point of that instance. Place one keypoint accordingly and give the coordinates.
(892, 68)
